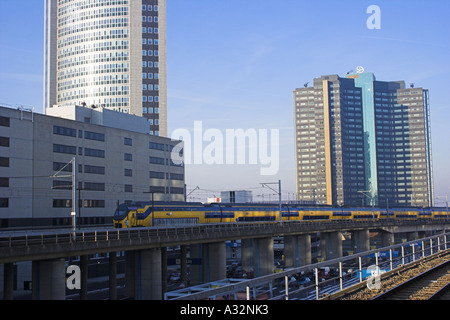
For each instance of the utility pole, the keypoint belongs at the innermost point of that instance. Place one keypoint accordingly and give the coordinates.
(266, 184)
(73, 213)
(372, 200)
(74, 197)
(153, 205)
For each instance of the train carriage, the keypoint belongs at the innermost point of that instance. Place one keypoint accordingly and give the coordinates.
(148, 214)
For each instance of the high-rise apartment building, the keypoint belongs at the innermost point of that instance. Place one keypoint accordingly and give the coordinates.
(358, 139)
(107, 53)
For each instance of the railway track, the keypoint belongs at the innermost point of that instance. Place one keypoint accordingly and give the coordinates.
(420, 287)
(427, 278)
(442, 294)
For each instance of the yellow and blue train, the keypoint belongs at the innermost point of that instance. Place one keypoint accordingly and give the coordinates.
(148, 214)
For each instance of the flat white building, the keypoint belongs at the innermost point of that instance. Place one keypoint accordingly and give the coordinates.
(238, 196)
(116, 161)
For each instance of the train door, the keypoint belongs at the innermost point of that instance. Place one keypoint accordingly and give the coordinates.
(132, 219)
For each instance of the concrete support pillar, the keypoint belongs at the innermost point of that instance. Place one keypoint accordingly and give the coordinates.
(331, 245)
(129, 274)
(387, 239)
(113, 275)
(208, 262)
(410, 236)
(8, 281)
(196, 265)
(148, 276)
(257, 256)
(215, 261)
(164, 269)
(84, 276)
(297, 250)
(183, 265)
(360, 241)
(49, 279)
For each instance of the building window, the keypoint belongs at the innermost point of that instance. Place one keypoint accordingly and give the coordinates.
(156, 146)
(94, 136)
(156, 160)
(128, 172)
(62, 203)
(4, 202)
(4, 182)
(63, 131)
(4, 121)
(177, 176)
(94, 169)
(128, 188)
(157, 189)
(94, 203)
(60, 165)
(62, 185)
(127, 157)
(93, 186)
(4, 142)
(128, 141)
(59, 148)
(157, 175)
(174, 190)
(94, 153)
(4, 162)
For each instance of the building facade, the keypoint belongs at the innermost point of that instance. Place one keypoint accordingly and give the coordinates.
(107, 53)
(113, 165)
(360, 141)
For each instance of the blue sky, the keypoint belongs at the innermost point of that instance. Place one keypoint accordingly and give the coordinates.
(234, 64)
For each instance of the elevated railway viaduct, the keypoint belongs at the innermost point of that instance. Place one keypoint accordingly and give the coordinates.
(146, 251)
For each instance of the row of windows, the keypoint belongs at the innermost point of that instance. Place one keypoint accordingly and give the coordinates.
(149, 7)
(73, 133)
(94, 14)
(93, 70)
(92, 36)
(92, 25)
(92, 48)
(150, 99)
(92, 58)
(68, 6)
(165, 175)
(149, 30)
(149, 19)
(67, 203)
(60, 148)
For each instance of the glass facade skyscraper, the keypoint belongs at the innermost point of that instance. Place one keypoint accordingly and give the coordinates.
(360, 140)
(107, 53)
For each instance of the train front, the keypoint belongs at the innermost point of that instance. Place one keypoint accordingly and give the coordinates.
(120, 219)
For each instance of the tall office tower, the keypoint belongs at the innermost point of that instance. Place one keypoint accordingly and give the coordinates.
(107, 53)
(358, 139)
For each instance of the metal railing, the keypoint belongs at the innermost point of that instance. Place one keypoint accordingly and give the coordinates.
(318, 287)
(207, 231)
